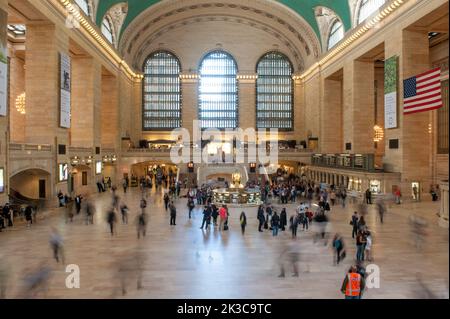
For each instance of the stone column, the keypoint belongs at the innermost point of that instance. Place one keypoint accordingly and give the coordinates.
(443, 214)
(359, 112)
(4, 139)
(110, 112)
(247, 100)
(189, 89)
(331, 139)
(299, 111)
(42, 76)
(412, 158)
(44, 44)
(16, 87)
(86, 102)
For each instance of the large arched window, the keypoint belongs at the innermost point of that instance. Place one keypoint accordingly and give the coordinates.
(161, 92)
(218, 91)
(84, 6)
(274, 92)
(107, 30)
(336, 34)
(367, 8)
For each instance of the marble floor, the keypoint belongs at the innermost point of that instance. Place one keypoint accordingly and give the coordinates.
(183, 261)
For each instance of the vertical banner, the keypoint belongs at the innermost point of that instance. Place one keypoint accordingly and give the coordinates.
(3, 63)
(390, 92)
(65, 88)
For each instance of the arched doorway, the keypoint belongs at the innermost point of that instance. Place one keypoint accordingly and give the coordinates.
(33, 184)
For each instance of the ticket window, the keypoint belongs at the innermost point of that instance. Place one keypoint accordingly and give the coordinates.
(415, 191)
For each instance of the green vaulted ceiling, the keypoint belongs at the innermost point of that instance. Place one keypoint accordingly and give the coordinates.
(305, 8)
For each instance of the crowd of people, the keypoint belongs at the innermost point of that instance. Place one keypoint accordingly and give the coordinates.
(312, 213)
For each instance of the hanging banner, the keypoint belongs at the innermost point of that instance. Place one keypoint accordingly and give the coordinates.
(3, 64)
(65, 80)
(390, 92)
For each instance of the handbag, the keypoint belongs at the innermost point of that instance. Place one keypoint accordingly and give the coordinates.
(225, 227)
(351, 222)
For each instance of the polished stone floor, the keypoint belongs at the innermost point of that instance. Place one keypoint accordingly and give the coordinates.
(183, 261)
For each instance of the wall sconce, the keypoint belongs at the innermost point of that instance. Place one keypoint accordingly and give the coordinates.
(379, 133)
(20, 103)
(114, 158)
(74, 161)
(89, 160)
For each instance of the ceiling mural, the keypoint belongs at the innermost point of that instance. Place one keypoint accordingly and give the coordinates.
(304, 8)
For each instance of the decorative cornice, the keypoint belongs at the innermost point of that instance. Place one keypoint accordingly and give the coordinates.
(67, 8)
(356, 34)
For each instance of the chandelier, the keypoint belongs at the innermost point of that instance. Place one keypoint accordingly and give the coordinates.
(20, 103)
(379, 133)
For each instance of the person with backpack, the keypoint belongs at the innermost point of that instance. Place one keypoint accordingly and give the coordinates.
(191, 206)
(214, 213)
(222, 216)
(166, 201)
(124, 212)
(206, 217)
(339, 251)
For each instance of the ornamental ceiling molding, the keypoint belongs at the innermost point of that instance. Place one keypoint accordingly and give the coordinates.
(170, 8)
(117, 15)
(146, 48)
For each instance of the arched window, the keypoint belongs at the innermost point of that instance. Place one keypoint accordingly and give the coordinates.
(367, 8)
(161, 92)
(218, 91)
(84, 5)
(336, 34)
(107, 30)
(274, 92)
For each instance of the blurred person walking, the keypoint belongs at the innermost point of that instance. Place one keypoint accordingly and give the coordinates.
(339, 249)
(275, 223)
(206, 217)
(360, 245)
(354, 224)
(124, 213)
(283, 219)
(222, 216)
(141, 224)
(173, 214)
(368, 246)
(56, 243)
(243, 221)
(291, 255)
(191, 206)
(294, 225)
(260, 218)
(111, 219)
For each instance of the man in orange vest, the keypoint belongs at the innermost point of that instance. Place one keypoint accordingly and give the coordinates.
(353, 284)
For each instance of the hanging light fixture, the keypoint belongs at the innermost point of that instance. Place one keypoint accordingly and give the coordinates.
(379, 133)
(20, 103)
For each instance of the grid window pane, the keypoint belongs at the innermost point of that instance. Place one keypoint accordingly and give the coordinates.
(274, 92)
(218, 91)
(83, 4)
(107, 30)
(442, 117)
(336, 34)
(368, 7)
(162, 92)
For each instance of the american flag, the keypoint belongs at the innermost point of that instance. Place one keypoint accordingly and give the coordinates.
(422, 92)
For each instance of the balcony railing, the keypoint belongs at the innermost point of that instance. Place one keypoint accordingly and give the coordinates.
(30, 147)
